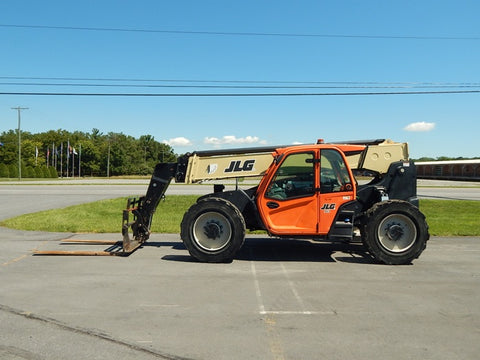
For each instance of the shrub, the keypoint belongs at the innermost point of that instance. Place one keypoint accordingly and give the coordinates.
(4, 173)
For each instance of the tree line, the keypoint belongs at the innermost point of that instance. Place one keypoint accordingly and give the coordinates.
(444, 158)
(60, 153)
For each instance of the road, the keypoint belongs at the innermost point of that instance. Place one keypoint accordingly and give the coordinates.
(58, 194)
(448, 190)
(277, 300)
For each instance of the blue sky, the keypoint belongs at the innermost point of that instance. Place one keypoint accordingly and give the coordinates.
(247, 47)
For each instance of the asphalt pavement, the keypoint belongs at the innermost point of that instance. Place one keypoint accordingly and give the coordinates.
(279, 299)
(19, 197)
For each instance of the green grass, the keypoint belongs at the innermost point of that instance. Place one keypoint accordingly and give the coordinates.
(444, 217)
(103, 216)
(452, 217)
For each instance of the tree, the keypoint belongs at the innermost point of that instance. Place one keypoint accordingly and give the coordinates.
(44, 171)
(9, 150)
(13, 170)
(52, 172)
(91, 158)
(128, 155)
(4, 173)
(96, 134)
(38, 172)
(29, 153)
(29, 172)
(125, 155)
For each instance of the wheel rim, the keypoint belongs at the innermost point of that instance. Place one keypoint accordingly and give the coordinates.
(397, 233)
(212, 231)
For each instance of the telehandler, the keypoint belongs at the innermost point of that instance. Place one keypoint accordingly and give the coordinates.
(304, 191)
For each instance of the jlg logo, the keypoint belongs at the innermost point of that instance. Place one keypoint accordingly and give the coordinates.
(236, 165)
(327, 207)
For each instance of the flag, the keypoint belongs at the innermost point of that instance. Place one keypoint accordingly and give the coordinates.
(75, 152)
(36, 152)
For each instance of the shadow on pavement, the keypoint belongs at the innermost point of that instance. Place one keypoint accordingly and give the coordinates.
(274, 249)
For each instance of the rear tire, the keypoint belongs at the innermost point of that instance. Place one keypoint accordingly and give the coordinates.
(213, 230)
(395, 232)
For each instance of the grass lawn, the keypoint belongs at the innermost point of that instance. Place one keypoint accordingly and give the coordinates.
(104, 216)
(444, 217)
(452, 217)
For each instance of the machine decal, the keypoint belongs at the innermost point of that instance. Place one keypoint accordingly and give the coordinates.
(237, 166)
(212, 168)
(327, 207)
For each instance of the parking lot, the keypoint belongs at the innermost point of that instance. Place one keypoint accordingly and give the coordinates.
(279, 299)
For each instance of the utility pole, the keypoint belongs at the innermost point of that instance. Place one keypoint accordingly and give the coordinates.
(108, 161)
(19, 109)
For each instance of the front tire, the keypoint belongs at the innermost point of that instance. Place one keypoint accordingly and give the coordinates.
(395, 232)
(213, 230)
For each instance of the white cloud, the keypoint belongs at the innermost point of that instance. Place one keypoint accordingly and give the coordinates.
(231, 139)
(420, 126)
(178, 141)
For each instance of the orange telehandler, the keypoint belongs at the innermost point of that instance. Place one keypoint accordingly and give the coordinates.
(304, 191)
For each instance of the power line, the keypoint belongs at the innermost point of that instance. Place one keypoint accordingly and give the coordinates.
(340, 84)
(242, 94)
(226, 33)
(187, 80)
(243, 86)
(193, 80)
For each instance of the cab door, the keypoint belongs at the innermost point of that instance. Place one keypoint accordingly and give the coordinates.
(305, 193)
(336, 187)
(289, 203)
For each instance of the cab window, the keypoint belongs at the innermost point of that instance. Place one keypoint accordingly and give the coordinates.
(294, 178)
(334, 176)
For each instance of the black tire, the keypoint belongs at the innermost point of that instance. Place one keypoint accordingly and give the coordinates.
(395, 232)
(213, 230)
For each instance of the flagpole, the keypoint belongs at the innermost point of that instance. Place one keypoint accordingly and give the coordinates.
(79, 160)
(68, 155)
(61, 159)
